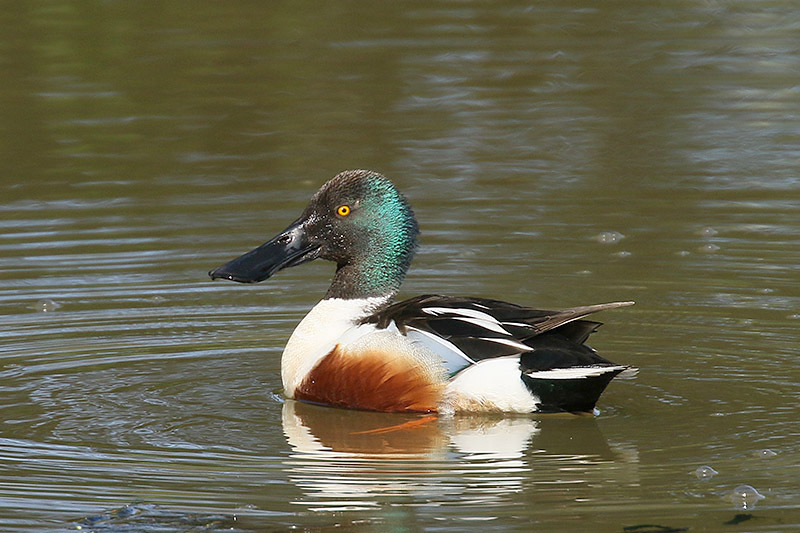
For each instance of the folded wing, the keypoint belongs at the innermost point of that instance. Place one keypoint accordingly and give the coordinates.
(464, 331)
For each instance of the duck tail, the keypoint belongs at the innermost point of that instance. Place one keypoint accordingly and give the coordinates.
(573, 390)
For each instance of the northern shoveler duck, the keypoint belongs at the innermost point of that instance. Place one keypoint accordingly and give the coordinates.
(433, 354)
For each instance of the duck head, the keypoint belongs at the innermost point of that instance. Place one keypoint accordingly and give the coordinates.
(358, 220)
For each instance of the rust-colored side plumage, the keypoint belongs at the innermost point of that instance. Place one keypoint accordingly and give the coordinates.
(372, 380)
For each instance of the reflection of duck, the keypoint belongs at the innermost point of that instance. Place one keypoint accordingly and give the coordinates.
(430, 353)
(311, 428)
(346, 459)
(315, 429)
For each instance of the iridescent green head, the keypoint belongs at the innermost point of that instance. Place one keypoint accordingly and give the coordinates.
(358, 220)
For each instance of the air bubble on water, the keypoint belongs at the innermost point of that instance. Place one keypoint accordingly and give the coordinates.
(609, 237)
(705, 472)
(623, 253)
(707, 232)
(708, 248)
(248, 506)
(46, 305)
(745, 496)
(766, 453)
(684, 253)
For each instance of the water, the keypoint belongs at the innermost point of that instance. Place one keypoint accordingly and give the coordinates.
(559, 154)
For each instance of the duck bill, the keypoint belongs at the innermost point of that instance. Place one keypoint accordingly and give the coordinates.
(289, 248)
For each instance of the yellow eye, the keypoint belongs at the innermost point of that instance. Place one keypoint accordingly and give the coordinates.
(343, 210)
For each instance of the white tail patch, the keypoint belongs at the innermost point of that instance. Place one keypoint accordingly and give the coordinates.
(575, 372)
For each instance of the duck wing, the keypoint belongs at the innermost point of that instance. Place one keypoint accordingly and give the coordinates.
(464, 331)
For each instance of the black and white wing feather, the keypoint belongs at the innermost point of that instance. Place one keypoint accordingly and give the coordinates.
(467, 330)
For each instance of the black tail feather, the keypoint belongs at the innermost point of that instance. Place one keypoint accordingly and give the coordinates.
(569, 395)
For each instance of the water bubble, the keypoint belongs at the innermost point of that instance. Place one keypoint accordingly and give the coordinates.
(46, 305)
(705, 472)
(766, 453)
(707, 232)
(623, 253)
(609, 237)
(745, 496)
(708, 248)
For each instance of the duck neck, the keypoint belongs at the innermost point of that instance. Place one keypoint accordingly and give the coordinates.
(368, 277)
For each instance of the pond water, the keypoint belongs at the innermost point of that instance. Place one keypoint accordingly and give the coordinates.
(559, 154)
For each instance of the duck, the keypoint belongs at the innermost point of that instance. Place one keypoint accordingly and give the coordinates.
(358, 348)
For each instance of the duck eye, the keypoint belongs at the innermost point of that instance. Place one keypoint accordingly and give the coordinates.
(343, 210)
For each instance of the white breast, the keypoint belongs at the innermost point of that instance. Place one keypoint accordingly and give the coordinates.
(319, 332)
